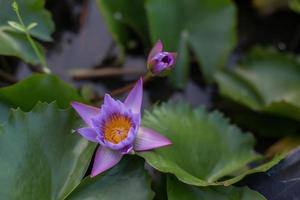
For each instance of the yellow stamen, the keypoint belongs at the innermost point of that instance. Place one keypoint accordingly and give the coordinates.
(116, 128)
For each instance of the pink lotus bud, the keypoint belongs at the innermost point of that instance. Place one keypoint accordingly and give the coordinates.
(159, 62)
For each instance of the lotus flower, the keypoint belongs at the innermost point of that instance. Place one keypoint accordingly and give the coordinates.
(116, 127)
(160, 62)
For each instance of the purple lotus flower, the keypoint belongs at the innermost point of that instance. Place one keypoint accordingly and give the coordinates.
(160, 62)
(116, 127)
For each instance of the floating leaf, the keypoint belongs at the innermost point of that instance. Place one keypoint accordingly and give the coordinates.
(37, 88)
(4, 112)
(40, 156)
(205, 146)
(209, 26)
(180, 191)
(45, 88)
(127, 180)
(266, 81)
(14, 43)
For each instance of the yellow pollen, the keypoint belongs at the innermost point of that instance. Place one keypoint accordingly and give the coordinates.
(116, 128)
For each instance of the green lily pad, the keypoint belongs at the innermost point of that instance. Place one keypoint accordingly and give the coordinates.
(40, 156)
(266, 81)
(14, 42)
(4, 112)
(209, 26)
(180, 191)
(38, 87)
(128, 180)
(206, 150)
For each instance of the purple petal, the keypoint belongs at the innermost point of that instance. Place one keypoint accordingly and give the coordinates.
(126, 149)
(159, 67)
(147, 139)
(86, 112)
(104, 160)
(158, 47)
(109, 101)
(135, 97)
(89, 134)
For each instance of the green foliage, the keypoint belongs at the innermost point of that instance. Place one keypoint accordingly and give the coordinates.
(295, 5)
(122, 15)
(45, 88)
(205, 26)
(205, 146)
(31, 11)
(26, 30)
(17, 26)
(209, 26)
(4, 112)
(265, 81)
(128, 180)
(13, 42)
(180, 191)
(40, 157)
(180, 73)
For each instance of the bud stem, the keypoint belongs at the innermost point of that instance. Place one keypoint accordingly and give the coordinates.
(42, 59)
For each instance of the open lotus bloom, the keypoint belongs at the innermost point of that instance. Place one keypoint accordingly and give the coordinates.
(116, 127)
(160, 62)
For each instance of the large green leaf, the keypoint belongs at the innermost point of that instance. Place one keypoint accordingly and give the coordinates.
(180, 191)
(265, 81)
(205, 146)
(209, 26)
(40, 156)
(13, 42)
(45, 88)
(121, 15)
(4, 112)
(127, 181)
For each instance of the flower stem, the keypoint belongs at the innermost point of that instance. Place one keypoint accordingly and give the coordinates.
(42, 59)
(128, 87)
(147, 77)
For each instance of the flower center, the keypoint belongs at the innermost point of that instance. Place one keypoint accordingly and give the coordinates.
(116, 128)
(166, 59)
